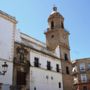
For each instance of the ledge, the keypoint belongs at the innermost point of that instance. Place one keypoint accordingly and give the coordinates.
(8, 17)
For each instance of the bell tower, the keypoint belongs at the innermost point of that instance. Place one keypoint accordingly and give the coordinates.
(57, 35)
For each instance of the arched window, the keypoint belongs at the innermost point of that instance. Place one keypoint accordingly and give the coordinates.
(62, 26)
(67, 70)
(66, 57)
(52, 25)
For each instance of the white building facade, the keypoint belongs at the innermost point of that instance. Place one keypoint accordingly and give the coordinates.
(45, 72)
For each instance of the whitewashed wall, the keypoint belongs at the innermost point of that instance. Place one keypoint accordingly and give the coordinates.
(17, 36)
(43, 60)
(38, 79)
(7, 32)
(6, 39)
(38, 75)
(7, 78)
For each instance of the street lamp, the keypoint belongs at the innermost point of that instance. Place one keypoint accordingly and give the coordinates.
(4, 68)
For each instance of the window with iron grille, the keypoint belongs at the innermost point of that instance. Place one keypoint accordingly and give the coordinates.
(57, 68)
(82, 67)
(48, 65)
(36, 62)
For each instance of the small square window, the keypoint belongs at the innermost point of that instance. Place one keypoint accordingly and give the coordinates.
(46, 77)
(52, 36)
(51, 78)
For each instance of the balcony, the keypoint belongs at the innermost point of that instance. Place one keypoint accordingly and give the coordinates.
(57, 69)
(84, 81)
(37, 64)
(49, 67)
(82, 70)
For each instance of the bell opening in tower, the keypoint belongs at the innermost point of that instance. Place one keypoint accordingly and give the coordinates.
(62, 26)
(52, 25)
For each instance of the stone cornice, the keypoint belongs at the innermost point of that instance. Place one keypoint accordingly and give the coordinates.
(42, 51)
(5, 60)
(8, 17)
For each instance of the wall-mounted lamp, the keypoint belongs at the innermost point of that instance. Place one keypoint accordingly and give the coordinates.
(4, 68)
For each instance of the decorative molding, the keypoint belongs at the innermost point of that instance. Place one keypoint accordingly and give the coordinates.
(42, 51)
(2, 59)
(8, 17)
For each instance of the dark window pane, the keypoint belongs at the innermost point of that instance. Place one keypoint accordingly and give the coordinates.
(59, 84)
(57, 67)
(52, 25)
(67, 70)
(62, 26)
(48, 65)
(52, 36)
(84, 87)
(34, 88)
(36, 62)
(65, 57)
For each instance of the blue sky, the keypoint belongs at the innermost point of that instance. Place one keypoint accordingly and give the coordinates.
(32, 19)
